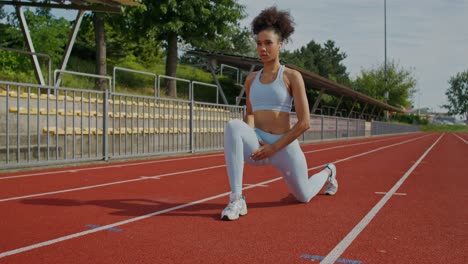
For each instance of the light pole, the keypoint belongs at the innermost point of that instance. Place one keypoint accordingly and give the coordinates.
(385, 57)
(385, 43)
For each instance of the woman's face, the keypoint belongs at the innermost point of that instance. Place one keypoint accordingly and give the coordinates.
(268, 45)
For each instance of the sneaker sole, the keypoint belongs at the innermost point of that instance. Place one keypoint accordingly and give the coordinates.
(331, 192)
(226, 218)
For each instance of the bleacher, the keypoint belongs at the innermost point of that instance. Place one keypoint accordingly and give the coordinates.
(73, 124)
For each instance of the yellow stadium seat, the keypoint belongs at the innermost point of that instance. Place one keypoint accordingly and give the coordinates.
(53, 130)
(98, 131)
(98, 114)
(68, 113)
(83, 114)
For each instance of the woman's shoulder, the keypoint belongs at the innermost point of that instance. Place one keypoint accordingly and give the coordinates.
(251, 77)
(291, 73)
(291, 76)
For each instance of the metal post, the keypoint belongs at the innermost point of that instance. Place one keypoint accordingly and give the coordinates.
(385, 59)
(363, 109)
(321, 129)
(241, 94)
(352, 107)
(105, 104)
(317, 101)
(25, 29)
(71, 42)
(191, 134)
(210, 66)
(347, 128)
(338, 105)
(336, 127)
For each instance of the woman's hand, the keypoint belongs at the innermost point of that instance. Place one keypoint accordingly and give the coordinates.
(265, 151)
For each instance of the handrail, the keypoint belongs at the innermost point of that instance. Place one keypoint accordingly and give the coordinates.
(176, 79)
(37, 54)
(205, 84)
(83, 74)
(228, 66)
(134, 71)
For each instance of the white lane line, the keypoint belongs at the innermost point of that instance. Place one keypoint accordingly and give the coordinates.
(350, 145)
(171, 174)
(110, 183)
(466, 142)
(344, 244)
(166, 160)
(401, 194)
(176, 173)
(87, 232)
(258, 185)
(108, 166)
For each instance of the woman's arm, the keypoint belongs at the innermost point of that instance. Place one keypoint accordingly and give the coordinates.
(249, 117)
(297, 87)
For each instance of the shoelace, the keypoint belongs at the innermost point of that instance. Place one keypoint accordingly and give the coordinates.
(233, 205)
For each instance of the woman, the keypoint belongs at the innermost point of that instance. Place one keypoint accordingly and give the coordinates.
(265, 137)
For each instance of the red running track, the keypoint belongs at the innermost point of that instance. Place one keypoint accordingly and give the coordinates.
(402, 199)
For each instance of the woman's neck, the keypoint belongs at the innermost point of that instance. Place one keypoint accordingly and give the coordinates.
(271, 67)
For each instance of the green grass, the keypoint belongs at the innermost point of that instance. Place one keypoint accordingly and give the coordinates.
(445, 128)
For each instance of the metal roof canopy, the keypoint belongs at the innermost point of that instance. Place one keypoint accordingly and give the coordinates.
(104, 6)
(312, 80)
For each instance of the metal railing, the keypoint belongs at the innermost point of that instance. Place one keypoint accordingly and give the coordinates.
(233, 68)
(81, 125)
(109, 79)
(162, 77)
(49, 60)
(74, 125)
(206, 85)
(114, 77)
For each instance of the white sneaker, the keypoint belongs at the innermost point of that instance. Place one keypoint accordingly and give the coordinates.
(332, 184)
(236, 207)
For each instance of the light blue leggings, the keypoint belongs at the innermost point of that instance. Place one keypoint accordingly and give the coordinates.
(240, 140)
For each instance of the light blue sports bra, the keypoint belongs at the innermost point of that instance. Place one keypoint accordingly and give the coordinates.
(272, 96)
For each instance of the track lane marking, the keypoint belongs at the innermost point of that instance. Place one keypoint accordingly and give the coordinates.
(351, 236)
(107, 166)
(140, 178)
(400, 194)
(462, 139)
(111, 183)
(167, 160)
(113, 225)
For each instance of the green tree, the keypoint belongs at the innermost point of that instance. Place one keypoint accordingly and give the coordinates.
(107, 38)
(457, 95)
(326, 61)
(49, 36)
(191, 22)
(400, 84)
(235, 41)
(2, 12)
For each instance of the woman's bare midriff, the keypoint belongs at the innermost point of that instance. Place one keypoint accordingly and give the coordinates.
(273, 122)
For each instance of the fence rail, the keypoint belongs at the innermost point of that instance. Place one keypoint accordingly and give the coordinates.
(68, 125)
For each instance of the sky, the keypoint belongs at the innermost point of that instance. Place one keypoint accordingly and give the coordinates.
(428, 37)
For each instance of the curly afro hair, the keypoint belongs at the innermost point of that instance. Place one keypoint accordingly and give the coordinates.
(272, 18)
